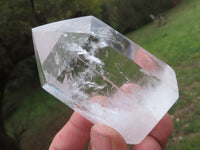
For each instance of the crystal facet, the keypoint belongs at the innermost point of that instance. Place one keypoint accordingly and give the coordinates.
(104, 76)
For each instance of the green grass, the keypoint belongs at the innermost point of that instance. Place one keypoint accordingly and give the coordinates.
(176, 43)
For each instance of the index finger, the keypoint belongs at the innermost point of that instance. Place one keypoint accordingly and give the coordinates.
(76, 130)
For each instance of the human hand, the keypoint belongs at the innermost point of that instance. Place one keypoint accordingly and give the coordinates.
(77, 132)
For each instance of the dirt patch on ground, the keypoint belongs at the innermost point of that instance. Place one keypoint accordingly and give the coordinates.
(189, 88)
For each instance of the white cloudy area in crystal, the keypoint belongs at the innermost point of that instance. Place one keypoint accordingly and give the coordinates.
(104, 76)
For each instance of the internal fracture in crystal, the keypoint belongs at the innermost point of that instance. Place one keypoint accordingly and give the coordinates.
(104, 76)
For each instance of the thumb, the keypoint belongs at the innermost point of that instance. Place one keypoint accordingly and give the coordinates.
(106, 138)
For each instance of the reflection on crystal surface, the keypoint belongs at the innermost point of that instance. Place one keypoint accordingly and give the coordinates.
(104, 76)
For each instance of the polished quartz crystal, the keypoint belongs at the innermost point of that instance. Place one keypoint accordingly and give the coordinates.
(104, 76)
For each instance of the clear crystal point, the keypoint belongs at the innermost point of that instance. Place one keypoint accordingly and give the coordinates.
(104, 76)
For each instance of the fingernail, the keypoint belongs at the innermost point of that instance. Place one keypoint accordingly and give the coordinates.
(100, 142)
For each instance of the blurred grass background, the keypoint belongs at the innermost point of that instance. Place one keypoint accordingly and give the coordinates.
(38, 115)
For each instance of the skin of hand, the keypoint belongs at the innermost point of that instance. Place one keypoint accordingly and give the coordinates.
(77, 132)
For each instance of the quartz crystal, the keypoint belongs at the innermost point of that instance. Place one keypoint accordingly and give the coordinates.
(104, 76)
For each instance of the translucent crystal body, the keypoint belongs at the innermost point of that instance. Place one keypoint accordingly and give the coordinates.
(104, 76)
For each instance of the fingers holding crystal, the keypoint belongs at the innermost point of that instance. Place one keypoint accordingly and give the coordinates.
(130, 87)
(158, 137)
(102, 100)
(147, 61)
(120, 94)
(106, 138)
(162, 131)
(149, 143)
(75, 129)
